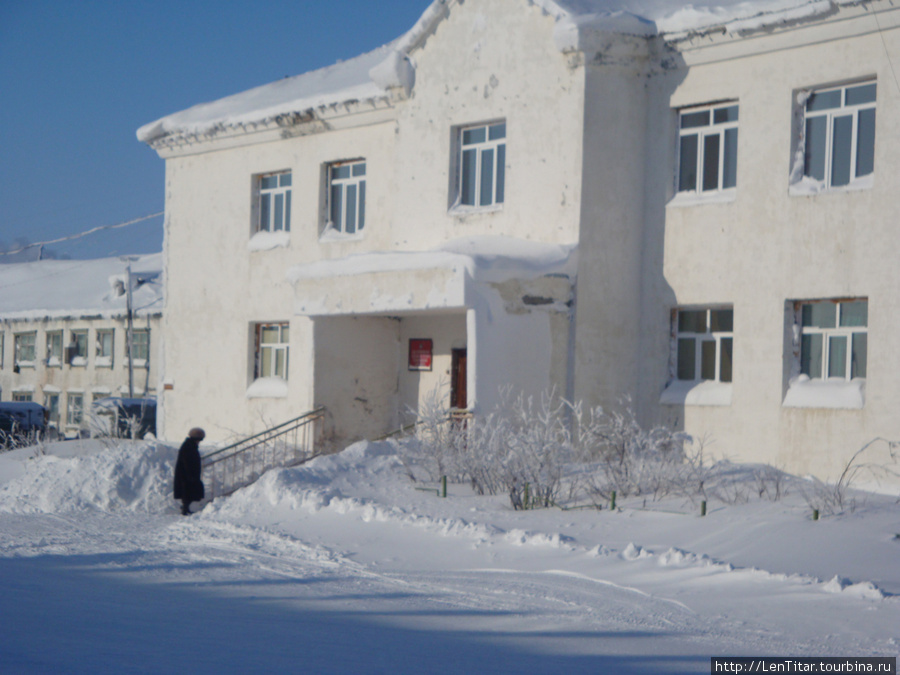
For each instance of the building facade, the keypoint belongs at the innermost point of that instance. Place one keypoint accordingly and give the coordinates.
(692, 210)
(64, 334)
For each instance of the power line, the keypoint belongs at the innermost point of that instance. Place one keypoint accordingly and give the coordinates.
(83, 234)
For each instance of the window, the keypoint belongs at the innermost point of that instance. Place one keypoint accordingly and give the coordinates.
(54, 348)
(105, 342)
(76, 352)
(833, 338)
(23, 347)
(347, 196)
(51, 403)
(2, 336)
(704, 344)
(482, 165)
(74, 409)
(839, 135)
(140, 345)
(274, 202)
(24, 396)
(707, 149)
(272, 350)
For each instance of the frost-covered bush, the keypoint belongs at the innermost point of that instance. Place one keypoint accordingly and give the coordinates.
(834, 497)
(537, 448)
(618, 454)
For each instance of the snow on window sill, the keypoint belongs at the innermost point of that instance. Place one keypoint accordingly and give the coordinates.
(462, 210)
(706, 392)
(266, 241)
(25, 364)
(694, 198)
(268, 387)
(54, 362)
(139, 363)
(331, 234)
(103, 362)
(808, 187)
(833, 393)
(78, 361)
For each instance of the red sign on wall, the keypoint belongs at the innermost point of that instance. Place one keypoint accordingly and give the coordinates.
(420, 354)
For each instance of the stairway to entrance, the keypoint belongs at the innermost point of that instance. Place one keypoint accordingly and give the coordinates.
(240, 464)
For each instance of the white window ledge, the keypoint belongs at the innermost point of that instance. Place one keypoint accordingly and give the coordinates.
(462, 210)
(330, 233)
(807, 187)
(268, 387)
(266, 241)
(834, 393)
(103, 362)
(706, 392)
(692, 198)
(79, 361)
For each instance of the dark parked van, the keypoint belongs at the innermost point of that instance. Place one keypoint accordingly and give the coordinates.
(21, 419)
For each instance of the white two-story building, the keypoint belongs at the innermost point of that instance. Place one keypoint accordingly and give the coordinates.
(694, 207)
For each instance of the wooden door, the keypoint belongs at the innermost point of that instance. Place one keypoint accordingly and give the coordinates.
(458, 394)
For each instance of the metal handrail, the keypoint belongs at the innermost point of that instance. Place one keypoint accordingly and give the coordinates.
(240, 464)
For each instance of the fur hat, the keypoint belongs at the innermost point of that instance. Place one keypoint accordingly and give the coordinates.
(197, 434)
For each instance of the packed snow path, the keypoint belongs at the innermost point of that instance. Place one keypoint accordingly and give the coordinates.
(343, 567)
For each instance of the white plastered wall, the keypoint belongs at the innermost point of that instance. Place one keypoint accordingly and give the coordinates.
(486, 61)
(767, 247)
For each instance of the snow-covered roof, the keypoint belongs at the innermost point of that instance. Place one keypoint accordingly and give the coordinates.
(370, 76)
(489, 259)
(79, 288)
(668, 17)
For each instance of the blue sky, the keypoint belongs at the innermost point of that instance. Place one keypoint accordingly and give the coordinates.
(78, 77)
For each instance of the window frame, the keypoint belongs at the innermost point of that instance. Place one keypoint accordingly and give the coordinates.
(711, 129)
(279, 348)
(73, 419)
(102, 359)
(78, 356)
(701, 339)
(829, 337)
(52, 410)
(18, 338)
(55, 349)
(139, 346)
(356, 179)
(266, 202)
(827, 116)
(495, 145)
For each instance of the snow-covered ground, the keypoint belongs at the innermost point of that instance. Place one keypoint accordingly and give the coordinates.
(344, 565)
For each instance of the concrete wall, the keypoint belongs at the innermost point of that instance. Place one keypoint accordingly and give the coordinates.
(483, 63)
(491, 60)
(767, 246)
(607, 332)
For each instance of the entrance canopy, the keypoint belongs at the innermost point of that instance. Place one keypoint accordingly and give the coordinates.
(415, 281)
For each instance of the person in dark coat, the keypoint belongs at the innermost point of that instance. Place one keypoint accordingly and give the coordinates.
(188, 486)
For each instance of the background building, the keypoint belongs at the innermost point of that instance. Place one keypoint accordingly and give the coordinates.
(63, 333)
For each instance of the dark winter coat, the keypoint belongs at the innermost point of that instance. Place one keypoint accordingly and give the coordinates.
(187, 472)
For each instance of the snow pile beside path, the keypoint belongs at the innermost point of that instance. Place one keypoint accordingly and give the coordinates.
(864, 589)
(320, 483)
(131, 477)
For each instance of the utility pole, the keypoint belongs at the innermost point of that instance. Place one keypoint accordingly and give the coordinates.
(129, 334)
(129, 331)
